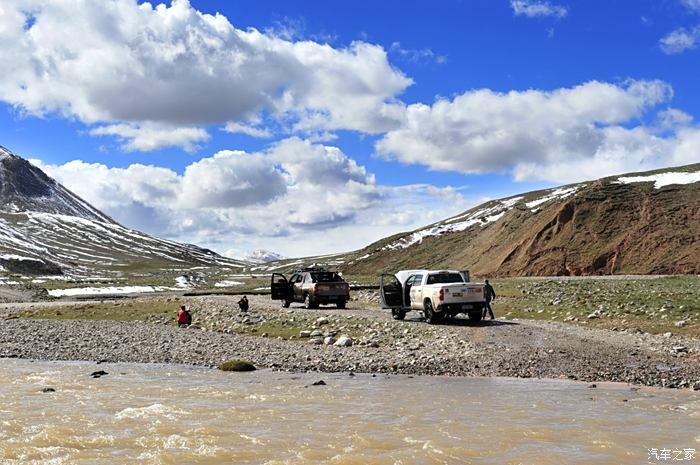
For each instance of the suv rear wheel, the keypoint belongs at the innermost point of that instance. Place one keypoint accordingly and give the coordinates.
(310, 302)
(398, 314)
(340, 304)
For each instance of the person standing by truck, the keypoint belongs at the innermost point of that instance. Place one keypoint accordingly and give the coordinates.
(490, 295)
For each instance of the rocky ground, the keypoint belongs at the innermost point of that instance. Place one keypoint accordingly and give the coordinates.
(362, 338)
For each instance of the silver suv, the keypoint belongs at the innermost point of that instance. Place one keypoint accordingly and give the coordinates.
(313, 286)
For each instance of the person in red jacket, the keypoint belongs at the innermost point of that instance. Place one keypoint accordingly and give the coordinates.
(243, 304)
(183, 317)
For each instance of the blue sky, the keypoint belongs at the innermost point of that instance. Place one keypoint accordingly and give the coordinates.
(318, 127)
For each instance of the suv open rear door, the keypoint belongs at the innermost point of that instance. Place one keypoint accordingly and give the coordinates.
(279, 287)
(391, 291)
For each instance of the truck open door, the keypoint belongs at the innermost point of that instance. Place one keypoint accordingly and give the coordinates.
(391, 292)
(279, 288)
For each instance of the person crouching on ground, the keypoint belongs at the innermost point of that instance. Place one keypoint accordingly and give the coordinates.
(243, 304)
(490, 295)
(183, 317)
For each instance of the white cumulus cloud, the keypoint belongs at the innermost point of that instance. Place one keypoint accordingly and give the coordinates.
(148, 136)
(231, 179)
(534, 8)
(131, 67)
(248, 129)
(680, 40)
(296, 197)
(692, 5)
(576, 133)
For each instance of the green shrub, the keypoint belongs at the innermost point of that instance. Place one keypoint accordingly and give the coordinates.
(236, 365)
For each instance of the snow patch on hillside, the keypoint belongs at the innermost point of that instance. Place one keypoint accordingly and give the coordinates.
(358, 259)
(4, 153)
(182, 281)
(277, 267)
(18, 257)
(104, 290)
(560, 193)
(228, 283)
(480, 217)
(79, 245)
(663, 179)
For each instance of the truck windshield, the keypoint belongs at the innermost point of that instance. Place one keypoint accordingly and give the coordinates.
(444, 278)
(325, 277)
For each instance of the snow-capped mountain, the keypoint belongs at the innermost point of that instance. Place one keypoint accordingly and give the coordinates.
(262, 256)
(47, 229)
(24, 188)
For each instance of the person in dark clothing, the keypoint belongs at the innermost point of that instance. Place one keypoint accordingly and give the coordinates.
(183, 317)
(243, 304)
(490, 295)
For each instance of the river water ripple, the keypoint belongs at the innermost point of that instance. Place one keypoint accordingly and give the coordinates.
(163, 414)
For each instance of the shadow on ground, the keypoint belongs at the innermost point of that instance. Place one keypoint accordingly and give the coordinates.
(461, 322)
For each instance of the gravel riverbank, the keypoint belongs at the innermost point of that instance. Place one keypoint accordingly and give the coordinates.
(515, 348)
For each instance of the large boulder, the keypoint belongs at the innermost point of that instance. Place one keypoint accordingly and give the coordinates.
(344, 341)
(237, 365)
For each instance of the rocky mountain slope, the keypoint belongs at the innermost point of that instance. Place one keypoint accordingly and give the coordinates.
(641, 223)
(46, 229)
(645, 223)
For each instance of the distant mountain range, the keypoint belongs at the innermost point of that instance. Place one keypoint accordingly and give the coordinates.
(639, 223)
(47, 229)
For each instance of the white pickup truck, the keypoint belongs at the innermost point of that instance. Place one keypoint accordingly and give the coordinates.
(437, 293)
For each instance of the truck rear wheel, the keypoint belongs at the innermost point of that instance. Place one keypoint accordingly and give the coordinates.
(475, 317)
(430, 316)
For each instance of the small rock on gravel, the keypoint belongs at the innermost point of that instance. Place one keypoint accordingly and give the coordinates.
(344, 341)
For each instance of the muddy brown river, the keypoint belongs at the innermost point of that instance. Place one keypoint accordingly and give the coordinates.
(162, 414)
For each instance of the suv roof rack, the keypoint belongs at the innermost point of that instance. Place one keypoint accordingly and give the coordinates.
(313, 268)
